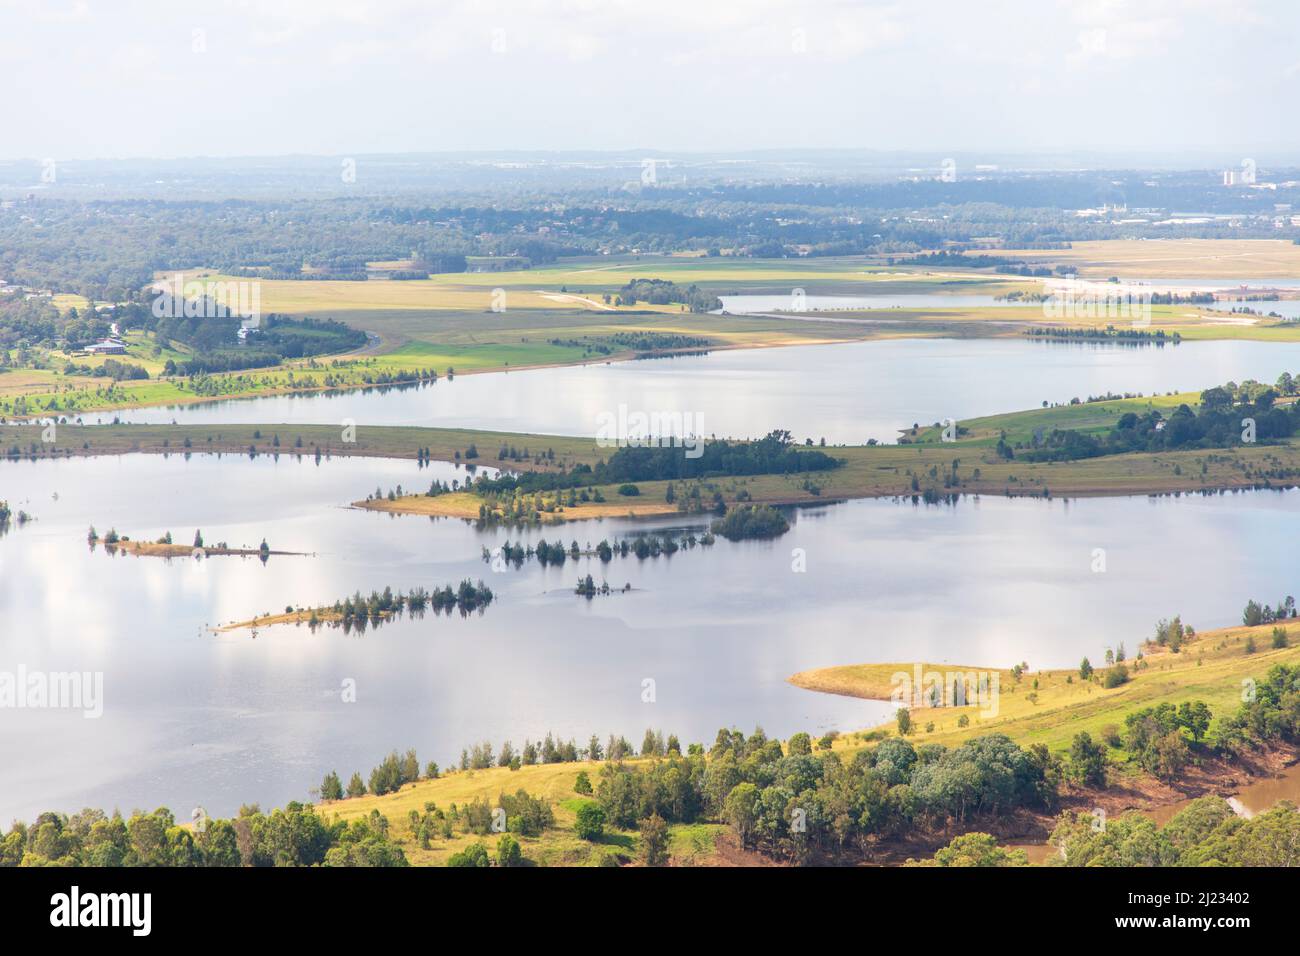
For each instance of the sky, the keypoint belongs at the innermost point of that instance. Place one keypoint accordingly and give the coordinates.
(88, 79)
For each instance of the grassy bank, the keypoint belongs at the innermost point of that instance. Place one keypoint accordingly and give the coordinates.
(556, 846)
(925, 466)
(1210, 668)
(1051, 706)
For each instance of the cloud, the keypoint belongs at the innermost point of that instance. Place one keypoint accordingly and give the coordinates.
(337, 75)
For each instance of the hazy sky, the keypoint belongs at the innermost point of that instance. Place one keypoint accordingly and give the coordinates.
(122, 78)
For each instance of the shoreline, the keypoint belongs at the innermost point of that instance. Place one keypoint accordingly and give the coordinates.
(1050, 705)
(889, 326)
(281, 391)
(868, 471)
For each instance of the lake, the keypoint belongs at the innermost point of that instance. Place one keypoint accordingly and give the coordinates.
(846, 393)
(193, 718)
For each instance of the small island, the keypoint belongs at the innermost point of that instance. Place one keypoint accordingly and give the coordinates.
(751, 521)
(358, 612)
(165, 547)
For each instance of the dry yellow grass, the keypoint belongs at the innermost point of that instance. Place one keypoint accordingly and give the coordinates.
(557, 846)
(1051, 706)
(1176, 258)
(291, 617)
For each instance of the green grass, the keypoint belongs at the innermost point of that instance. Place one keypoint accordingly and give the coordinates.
(556, 846)
(1211, 668)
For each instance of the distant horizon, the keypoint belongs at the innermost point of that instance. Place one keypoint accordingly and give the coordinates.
(1096, 159)
(1191, 158)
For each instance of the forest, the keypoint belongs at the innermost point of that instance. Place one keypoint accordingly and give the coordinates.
(774, 454)
(109, 248)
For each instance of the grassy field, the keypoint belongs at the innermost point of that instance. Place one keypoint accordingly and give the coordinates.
(557, 846)
(1051, 706)
(1175, 258)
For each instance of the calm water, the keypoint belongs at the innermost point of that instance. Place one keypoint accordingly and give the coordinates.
(191, 718)
(844, 393)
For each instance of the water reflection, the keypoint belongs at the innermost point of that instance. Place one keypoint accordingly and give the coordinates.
(196, 718)
(844, 393)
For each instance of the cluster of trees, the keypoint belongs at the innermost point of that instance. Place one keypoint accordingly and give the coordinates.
(109, 368)
(1205, 833)
(776, 453)
(294, 836)
(1256, 614)
(1157, 737)
(797, 804)
(1173, 633)
(357, 611)
(643, 343)
(525, 815)
(1121, 336)
(1272, 714)
(664, 292)
(217, 347)
(642, 546)
(751, 521)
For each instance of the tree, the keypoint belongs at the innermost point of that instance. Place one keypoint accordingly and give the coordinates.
(331, 788)
(1085, 670)
(590, 824)
(1253, 615)
(475, 855)
(1087, 761)
(800, 744)
(1194, 717)
(904, 717)
(356, 786)
(741, 811)
(1116, 676)
(654, 840)
(410, 768)
(582, 784)
(978, 849)
(652, 745)
(508, 851)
